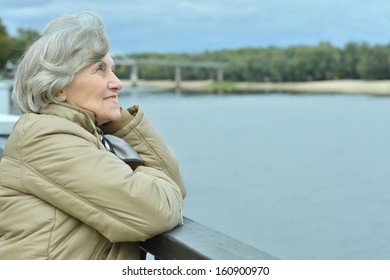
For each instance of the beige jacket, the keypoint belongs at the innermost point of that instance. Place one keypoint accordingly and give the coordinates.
(64, 196)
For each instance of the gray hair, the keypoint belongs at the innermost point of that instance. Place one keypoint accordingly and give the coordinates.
(67, 45)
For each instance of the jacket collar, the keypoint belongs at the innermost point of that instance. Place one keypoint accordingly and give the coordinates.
(80, 116)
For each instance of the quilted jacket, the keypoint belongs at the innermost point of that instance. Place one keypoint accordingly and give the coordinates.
(64, 196)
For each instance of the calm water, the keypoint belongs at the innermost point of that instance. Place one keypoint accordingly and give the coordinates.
(299, 177)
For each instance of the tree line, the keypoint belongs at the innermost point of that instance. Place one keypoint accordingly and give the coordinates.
(12, 47)
(356, 60)
(274, 64)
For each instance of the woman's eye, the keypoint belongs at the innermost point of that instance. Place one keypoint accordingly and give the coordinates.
(100, 68)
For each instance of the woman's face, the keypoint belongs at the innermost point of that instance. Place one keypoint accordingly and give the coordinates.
(96, 89)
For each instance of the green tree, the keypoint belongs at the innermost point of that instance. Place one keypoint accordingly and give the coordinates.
(237, 70)
(5, 44)
(325, 60)
(21, 42)
(276, 64)
(375, 64)
(298, 63)
(351, 55)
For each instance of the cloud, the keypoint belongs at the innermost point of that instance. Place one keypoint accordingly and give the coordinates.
(197, 25)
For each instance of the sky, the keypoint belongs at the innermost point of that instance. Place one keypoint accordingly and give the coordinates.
(194, 26)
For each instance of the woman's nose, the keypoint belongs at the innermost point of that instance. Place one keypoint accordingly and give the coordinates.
(115, 83)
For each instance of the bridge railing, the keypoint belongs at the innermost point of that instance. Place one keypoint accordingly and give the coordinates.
(178, 65)
(193, 241)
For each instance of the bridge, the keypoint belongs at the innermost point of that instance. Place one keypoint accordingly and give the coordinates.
(177, 64)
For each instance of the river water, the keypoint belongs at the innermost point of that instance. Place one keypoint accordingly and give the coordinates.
(297, 176)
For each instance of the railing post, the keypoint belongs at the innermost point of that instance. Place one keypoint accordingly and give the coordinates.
(177, 77)
(5, 97)
(134, 75)
(220, 74)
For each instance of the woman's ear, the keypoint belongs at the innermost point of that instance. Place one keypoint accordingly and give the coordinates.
(62, 96)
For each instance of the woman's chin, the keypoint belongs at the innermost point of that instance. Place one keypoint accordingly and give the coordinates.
(110, 118)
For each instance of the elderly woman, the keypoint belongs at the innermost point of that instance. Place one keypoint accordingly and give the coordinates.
(64, 192)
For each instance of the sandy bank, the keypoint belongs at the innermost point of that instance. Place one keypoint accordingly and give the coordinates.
(335, 86)
(203, 85)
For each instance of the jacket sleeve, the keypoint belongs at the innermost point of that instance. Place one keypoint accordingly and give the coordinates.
(72, 171)
(135, 128)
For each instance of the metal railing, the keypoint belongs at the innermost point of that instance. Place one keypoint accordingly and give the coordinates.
(193, 241)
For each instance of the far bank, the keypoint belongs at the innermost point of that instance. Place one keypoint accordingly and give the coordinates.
(381, 87)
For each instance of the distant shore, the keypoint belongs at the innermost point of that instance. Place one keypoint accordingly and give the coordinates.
(381, 87)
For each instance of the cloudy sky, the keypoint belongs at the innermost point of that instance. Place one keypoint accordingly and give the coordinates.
(198, 25)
